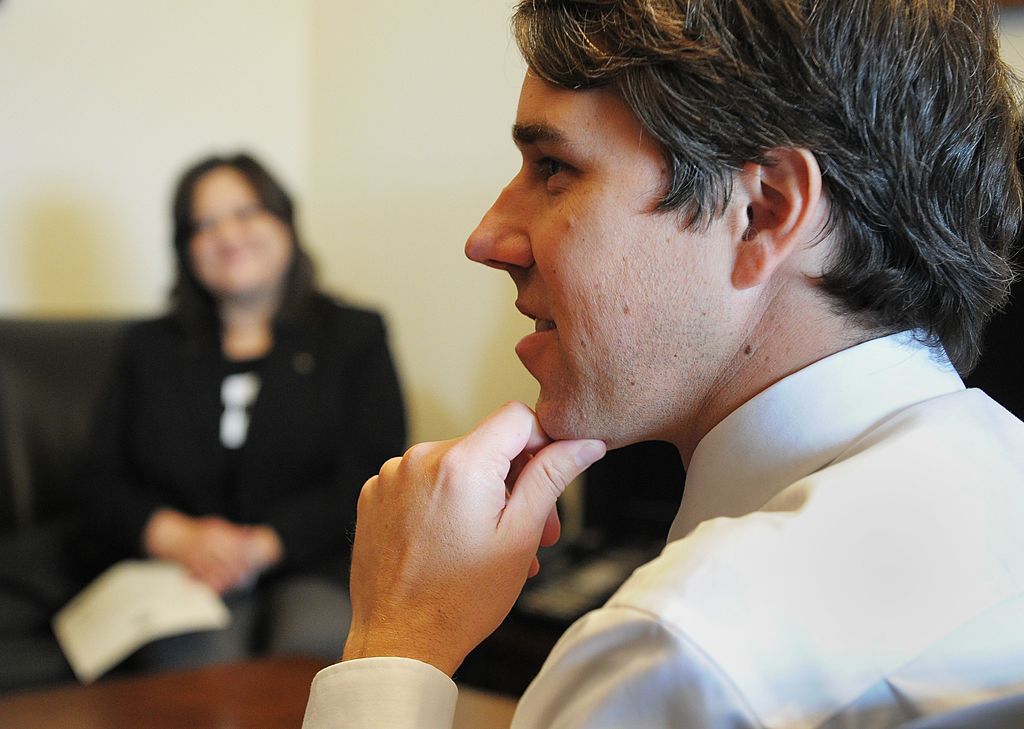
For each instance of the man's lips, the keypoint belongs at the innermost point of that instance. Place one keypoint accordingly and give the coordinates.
(533, 345)
(540, 324)
(537, 344)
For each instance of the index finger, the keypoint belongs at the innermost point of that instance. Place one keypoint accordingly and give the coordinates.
(511, 430)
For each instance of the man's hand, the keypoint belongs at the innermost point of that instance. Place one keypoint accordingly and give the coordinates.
(447, 535)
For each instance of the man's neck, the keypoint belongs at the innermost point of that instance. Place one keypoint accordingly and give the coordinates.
(794, 331)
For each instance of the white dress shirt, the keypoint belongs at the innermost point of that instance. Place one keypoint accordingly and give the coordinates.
(847, 554)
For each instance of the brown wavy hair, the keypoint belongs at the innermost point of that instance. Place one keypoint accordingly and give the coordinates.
(912, 115)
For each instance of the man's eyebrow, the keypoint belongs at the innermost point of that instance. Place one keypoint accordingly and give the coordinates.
(523, 134)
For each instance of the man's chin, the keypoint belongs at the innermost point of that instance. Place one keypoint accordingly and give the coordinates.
(563, 423)
(553, 420)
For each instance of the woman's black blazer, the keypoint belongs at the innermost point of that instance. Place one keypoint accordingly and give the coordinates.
(328, 414)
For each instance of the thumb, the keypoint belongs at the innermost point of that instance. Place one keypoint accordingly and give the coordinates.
(552, 529)
(544, 479)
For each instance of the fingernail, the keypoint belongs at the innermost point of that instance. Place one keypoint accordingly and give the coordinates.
(589, 452)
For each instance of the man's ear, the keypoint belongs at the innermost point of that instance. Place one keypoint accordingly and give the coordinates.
(783, 199)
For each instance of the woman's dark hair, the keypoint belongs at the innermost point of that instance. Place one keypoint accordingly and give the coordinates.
(906, 104)
(192, 306)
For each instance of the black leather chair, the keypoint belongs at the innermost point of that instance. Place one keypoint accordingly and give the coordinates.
(52, 373)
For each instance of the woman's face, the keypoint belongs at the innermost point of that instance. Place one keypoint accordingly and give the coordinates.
(240, 252)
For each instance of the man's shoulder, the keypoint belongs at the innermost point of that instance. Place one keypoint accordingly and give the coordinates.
(831, 578)
(969, 411)
(950, 452)
(959, 440)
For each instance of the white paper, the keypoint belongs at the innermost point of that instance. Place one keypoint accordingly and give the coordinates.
(131, 604)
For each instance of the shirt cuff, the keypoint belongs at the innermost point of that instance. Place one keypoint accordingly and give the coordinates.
(378, 692)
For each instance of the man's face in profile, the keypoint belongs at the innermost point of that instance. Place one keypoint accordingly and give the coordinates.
(626, 302)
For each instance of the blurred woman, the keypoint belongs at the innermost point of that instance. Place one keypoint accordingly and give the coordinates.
(242, 424)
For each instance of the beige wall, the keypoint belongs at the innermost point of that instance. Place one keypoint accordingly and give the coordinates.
(1013, 36)
(101, 103)
(412, 108)
(389, 120)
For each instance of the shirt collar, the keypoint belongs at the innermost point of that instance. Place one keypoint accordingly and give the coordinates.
(803, 422)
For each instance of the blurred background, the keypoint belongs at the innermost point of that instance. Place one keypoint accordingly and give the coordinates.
(389, 121)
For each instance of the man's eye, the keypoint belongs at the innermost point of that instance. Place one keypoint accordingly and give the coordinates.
(548, 167)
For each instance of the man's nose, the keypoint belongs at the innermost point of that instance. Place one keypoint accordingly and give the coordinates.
(501, 239)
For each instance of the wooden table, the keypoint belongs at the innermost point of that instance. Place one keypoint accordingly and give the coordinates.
(265, 693)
